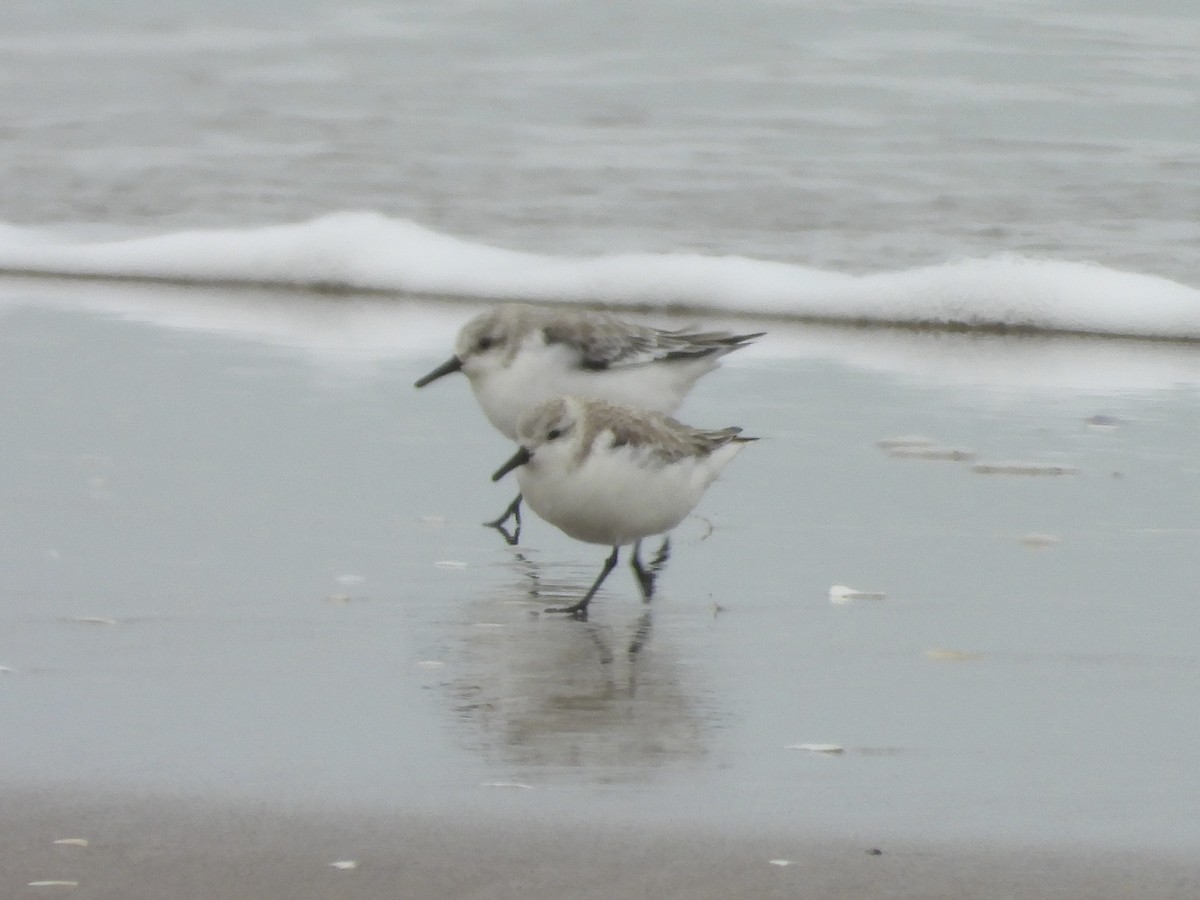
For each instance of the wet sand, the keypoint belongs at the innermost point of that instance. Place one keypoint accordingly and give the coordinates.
(160, 849)
(251, 625)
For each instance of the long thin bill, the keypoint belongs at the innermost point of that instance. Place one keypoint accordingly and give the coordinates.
(453, 364)
(517, 460)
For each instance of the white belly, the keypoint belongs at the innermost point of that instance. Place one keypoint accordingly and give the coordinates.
(617, 497)
(542, 373)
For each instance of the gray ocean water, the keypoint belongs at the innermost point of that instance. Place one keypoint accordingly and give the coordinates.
(240, 555)
(854, 135)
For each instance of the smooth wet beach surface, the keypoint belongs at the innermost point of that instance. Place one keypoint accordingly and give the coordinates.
(201, 851)
(246, 593)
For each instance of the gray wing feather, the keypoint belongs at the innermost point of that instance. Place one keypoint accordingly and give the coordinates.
(669, 439)
(604, 342)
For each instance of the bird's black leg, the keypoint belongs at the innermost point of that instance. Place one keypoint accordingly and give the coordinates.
(579, 610)
(663, 556)
(647, 574)
(513, 512)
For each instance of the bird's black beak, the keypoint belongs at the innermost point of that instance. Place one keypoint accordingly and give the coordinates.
(518, 459)
(453, 364)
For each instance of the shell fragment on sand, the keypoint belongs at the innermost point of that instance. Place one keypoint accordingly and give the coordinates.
(344, 864)
(831, 749)
(1022, 468)
(916, 446)
(840, 593)
(934, 451)
(72, 842)
(1036, 540)
(905, 442)
(942, 654)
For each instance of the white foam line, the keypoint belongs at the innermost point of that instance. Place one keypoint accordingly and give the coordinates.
(370, 252)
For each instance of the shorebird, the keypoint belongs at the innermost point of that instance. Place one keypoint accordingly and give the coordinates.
(613, 475)
(517, 355)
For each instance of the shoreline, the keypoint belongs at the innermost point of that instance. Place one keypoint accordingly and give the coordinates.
(255, 628)
(155, 846)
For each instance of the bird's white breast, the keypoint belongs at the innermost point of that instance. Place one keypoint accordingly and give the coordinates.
(618, 495)
(539, 372)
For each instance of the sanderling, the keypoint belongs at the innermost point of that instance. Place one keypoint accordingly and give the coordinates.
(517, 356)
(609, 474)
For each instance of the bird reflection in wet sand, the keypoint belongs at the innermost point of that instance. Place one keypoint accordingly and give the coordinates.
(605, 701)
(613, 475)
(539, 588)
(517, 355)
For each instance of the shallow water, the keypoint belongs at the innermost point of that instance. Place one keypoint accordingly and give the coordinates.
(241, 565)
(854, 137)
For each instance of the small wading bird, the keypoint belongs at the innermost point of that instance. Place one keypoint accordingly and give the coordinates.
(612, 475)
(517, 356)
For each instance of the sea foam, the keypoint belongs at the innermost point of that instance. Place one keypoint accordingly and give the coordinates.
(368, 252)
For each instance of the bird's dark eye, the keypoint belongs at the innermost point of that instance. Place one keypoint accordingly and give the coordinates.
(485, 343)
(553, 433)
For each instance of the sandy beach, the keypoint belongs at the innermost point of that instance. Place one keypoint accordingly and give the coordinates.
(252, 626)
(933, 635)
(141, 848)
